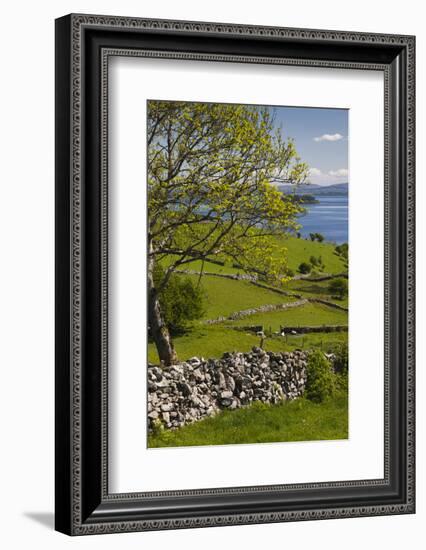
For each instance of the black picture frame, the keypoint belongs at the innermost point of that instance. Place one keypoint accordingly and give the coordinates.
(83, 504)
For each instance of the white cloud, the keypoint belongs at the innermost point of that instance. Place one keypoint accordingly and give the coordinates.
(316, 175)
(329, 137)
(314, 172)
(340, 173)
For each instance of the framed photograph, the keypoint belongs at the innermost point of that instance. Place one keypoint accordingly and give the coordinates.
(234, 274)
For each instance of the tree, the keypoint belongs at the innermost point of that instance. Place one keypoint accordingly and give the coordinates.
(339, 287)
(305, 268)
(181, 300)
(342, 250)
(211, 169)
(341, 361)
(316, 237)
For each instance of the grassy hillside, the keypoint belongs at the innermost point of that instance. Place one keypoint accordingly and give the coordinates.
(214, 340)
(309, 314)
(300, 250)
(299, 420)
(315, 290)
(224, 296)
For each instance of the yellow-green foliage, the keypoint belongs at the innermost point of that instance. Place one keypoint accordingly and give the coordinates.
(320, 383)
(210, 168)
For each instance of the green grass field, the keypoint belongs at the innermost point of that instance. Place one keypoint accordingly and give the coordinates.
(309, 314)
(299, 420)
(314, 289)
(212, 341)
(224, 296)
(297, 251)
(300, 250)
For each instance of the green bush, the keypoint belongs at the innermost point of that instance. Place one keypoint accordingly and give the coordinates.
(316, 262)
(320, 381)
(316, 237)
(181, 300)
(342, 250)
(341, 362)
(339, 287)
(305, 268)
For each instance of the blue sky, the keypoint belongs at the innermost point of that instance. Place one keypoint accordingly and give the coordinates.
(321, 138)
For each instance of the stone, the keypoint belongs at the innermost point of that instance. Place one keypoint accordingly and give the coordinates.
(231, 383)
(222, 381)
(226, 402)
(198, 375)
(185, 389)
(192, 390)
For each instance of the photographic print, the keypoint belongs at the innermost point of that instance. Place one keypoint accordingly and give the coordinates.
(247, 273)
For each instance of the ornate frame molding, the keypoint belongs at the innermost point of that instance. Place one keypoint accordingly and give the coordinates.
(72, 46)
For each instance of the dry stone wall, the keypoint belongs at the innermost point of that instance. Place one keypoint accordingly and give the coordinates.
(198, 388)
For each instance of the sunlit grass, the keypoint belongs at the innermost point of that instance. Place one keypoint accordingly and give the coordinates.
(307, 315)
(298, 420)
(212, 341)
(225, 296)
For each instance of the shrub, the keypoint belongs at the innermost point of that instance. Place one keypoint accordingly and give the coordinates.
(342, 250)
(316, 237)
(305, 268)
(316, 262)
(320, 381)
(339, 287)
(181, 300)
(341, 362)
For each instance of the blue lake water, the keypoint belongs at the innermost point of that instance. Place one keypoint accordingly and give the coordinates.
(328, 217)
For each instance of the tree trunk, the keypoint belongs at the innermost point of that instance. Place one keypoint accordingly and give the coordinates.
(159, 330)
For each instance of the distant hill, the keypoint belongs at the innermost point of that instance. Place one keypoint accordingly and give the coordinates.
(336, 189)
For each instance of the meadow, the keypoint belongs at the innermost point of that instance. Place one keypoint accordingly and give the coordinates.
(223, 296)
(298, 420)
